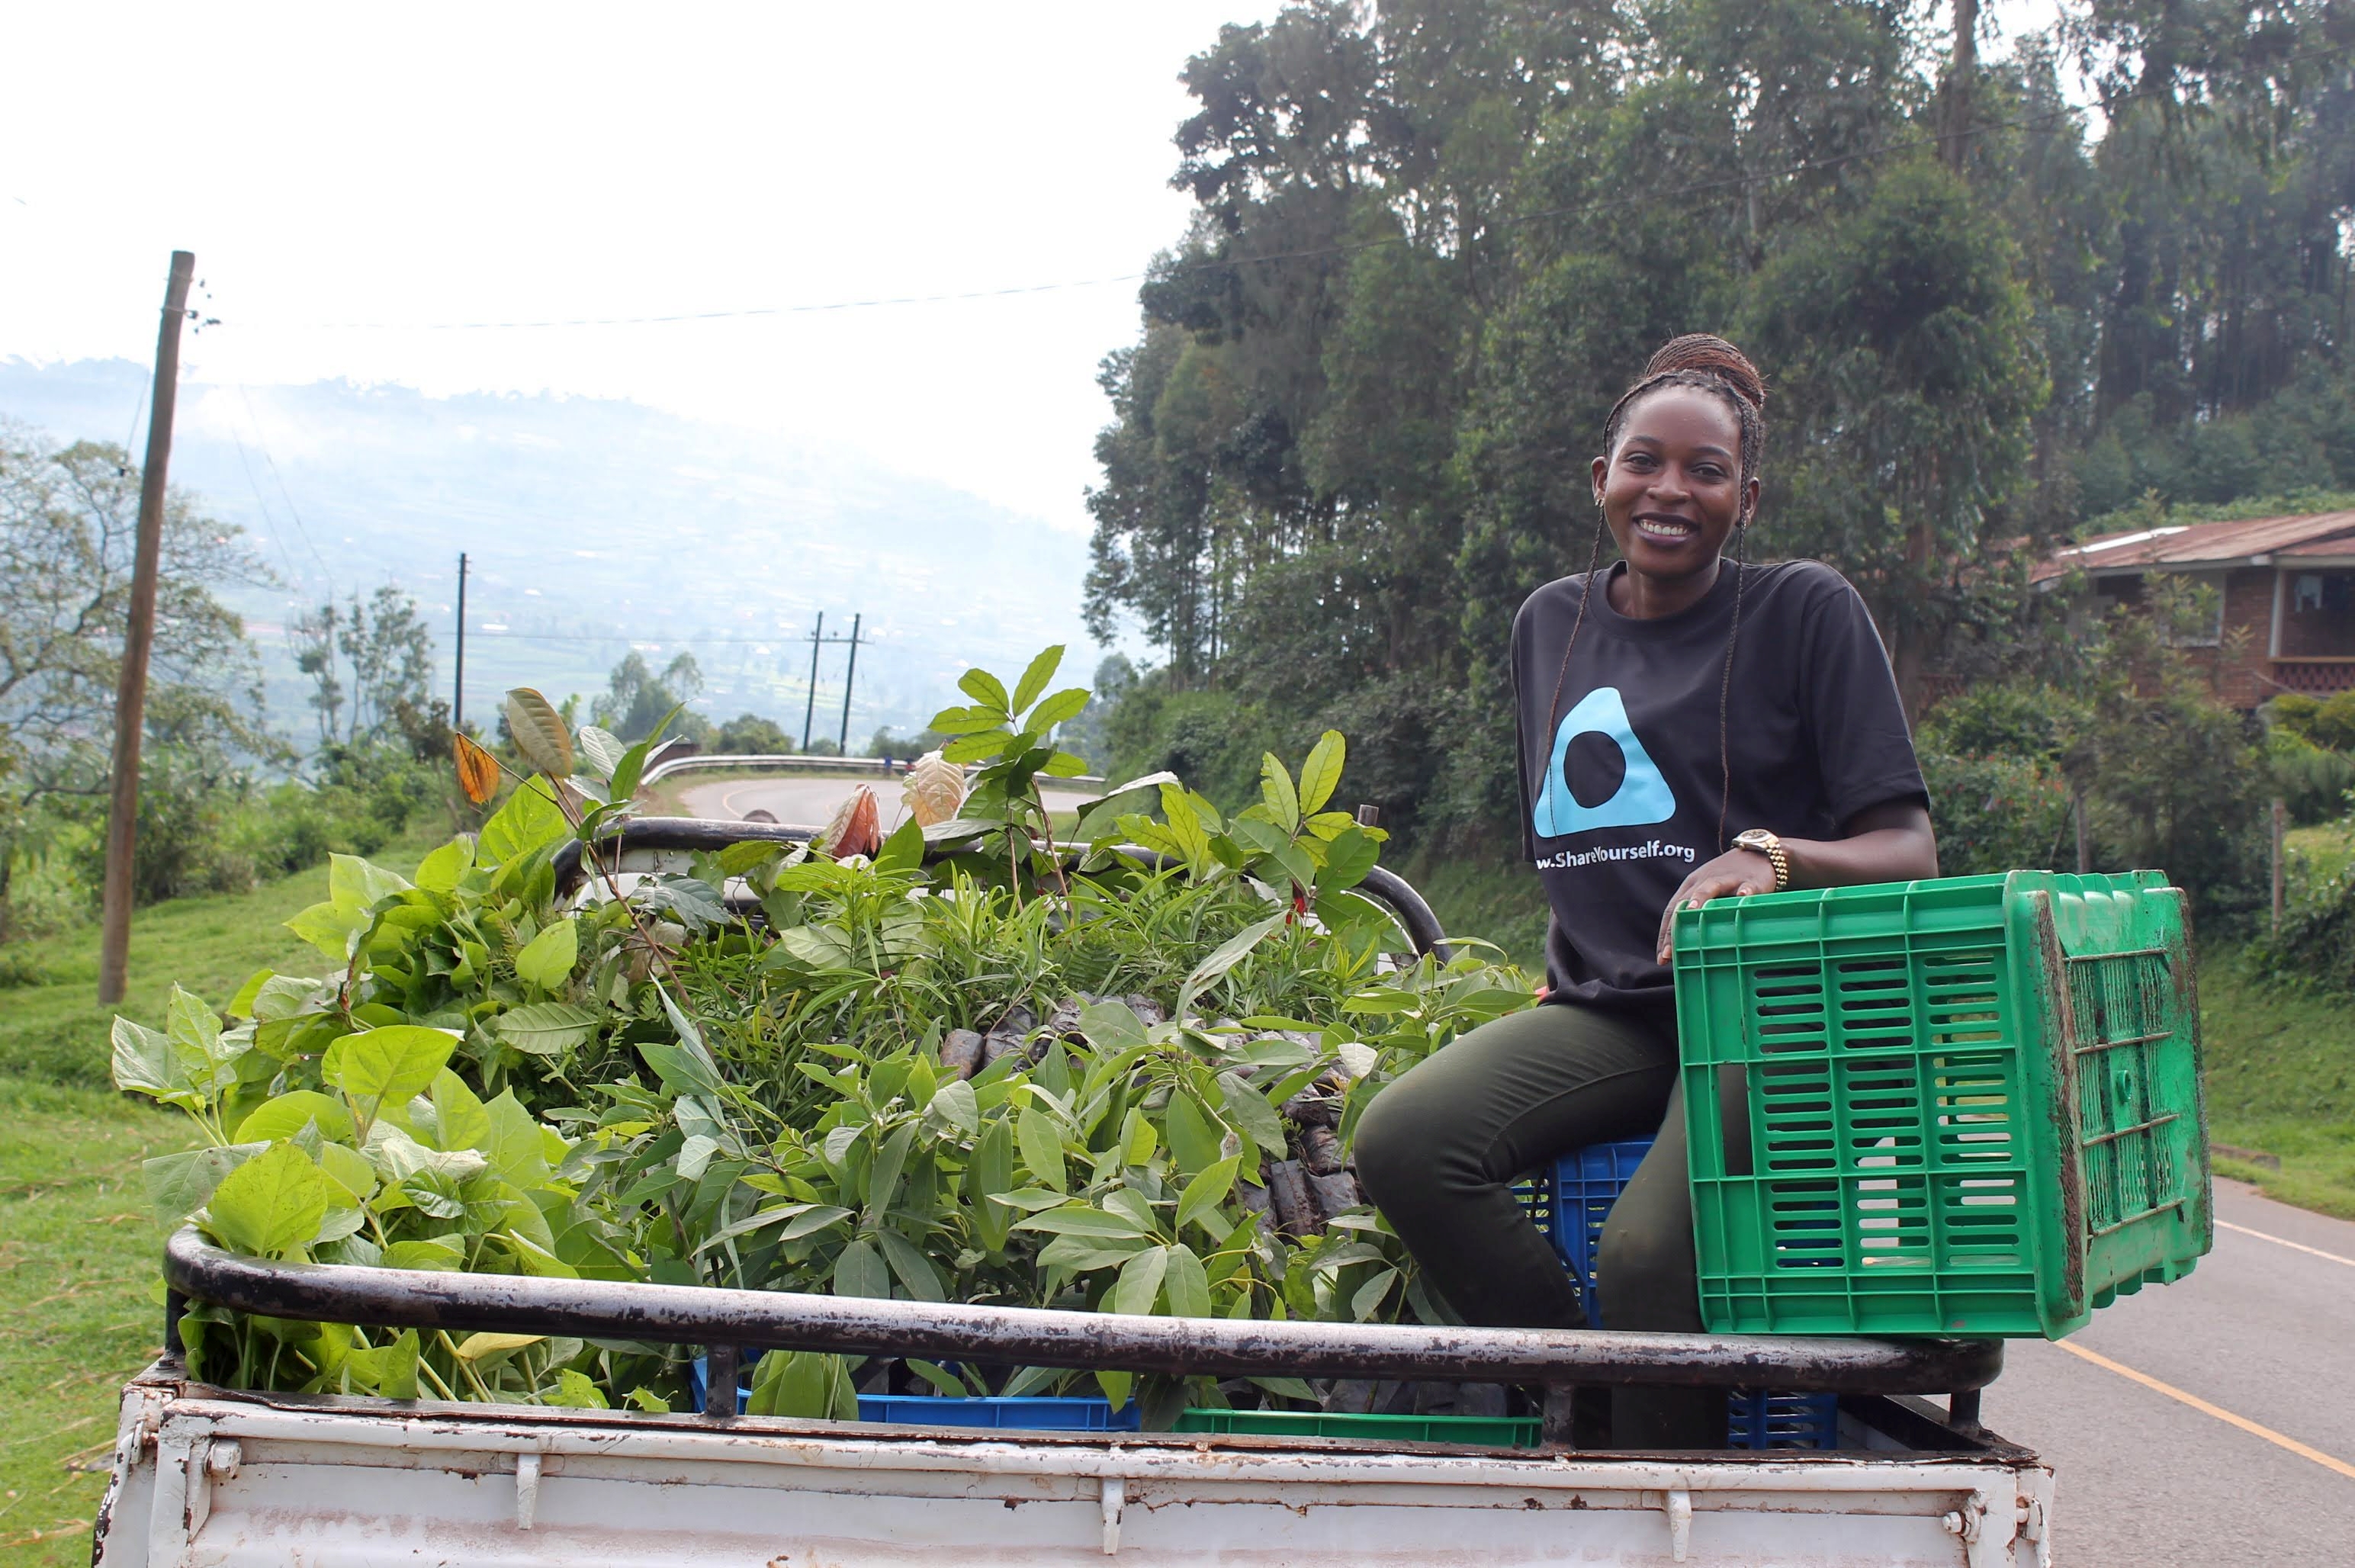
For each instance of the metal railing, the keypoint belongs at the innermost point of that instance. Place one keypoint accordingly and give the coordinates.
(807, 764)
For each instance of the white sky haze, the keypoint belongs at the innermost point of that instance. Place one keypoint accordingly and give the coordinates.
(434, 164)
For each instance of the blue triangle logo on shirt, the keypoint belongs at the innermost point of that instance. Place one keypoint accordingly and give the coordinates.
(1643, 797)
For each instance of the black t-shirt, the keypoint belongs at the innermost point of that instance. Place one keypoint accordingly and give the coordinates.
(1620, 786)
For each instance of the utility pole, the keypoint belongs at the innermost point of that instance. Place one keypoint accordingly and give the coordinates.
(842, 746)
(458, 687)
(809, 709)
(139, 638)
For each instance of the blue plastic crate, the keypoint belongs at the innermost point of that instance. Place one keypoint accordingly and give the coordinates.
(1755, 1418)
(1022, 1414)
(698, 1380)
(1570, 1200)
(1583, 1185)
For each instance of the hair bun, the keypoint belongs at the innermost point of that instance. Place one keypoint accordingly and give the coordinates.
(1711, 356)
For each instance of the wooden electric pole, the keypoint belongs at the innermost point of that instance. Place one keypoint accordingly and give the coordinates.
(809, 709)
(139, 638)
(842, 745)
(458, 687)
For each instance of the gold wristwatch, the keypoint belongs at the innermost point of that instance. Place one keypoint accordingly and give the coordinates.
(1768, 844)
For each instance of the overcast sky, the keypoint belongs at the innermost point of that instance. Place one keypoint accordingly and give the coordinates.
(404, 167)
(440, 163)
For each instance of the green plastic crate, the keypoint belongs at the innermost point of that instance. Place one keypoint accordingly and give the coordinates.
(1498, 1430)
(1972, 1104)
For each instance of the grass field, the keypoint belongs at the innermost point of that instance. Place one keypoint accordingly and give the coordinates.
(79, 1298)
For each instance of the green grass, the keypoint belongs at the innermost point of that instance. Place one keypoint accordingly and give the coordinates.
(78, 1276)
(80, 1294)
(2281, 1079)
(54, 1031)
(2325, 850)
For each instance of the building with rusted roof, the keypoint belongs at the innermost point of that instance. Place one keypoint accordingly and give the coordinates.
(2284, 615)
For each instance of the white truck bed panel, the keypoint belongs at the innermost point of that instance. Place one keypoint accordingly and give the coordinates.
(206, 1479)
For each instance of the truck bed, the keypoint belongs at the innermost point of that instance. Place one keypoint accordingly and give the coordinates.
(207, 1476)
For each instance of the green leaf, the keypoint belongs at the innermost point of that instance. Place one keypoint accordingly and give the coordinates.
(1079, 1219)
(437, 1254)
(914, 1270)
(1080, 1254)
(1347, 858)
(1139, 1285)
(1229, 953)
(1194, 1137)
(1035, 679)
(601, 750)
(1253, 1117)
(955, 1103)
(528, 821)
(974, 748)
(575, 1391)
(144, 1064)
(985, 689)
(1207, 1191)
(440, 871)
(1188, 1287)
(1042, 1146)
(463, 1120)
(861, 1270)
(991, 1172)
(1116, 1387)
(546, 959)
(270, 1205)
(1112, 1027)
(285, 1116)
(883, 1178)
(1065, 704)
(904, 850)
(947, 1383)
(539, 732)
(179, 1184)
(1275, 788)
(1321, 773)
(966, 720)
(353, 883)
(388, 1372)
(394, 1064)
(1063, 765)
(1368, 1296)
(546, 1029)
(241, 1004)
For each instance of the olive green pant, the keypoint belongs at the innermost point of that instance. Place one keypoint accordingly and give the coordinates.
(1439, 1150)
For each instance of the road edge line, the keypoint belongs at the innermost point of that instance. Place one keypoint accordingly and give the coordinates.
(2283, 1242)
(2279, 1440)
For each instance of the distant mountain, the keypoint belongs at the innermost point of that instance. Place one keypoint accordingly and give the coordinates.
(595, 526)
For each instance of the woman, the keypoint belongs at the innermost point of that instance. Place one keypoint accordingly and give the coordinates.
(1691, 728)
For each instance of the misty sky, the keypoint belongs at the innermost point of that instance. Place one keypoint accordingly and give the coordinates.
(436, 164)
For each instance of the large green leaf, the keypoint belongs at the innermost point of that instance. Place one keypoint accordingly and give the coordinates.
(528, 821)
(270, 1205)
(1207, 1190)
(1276, 790)
(180, 1184)
(1139, 1285)
(288, 1113)
(1321, 773)
(1229, 953)
(987, 690)
(546, 960)
(861, 1270)
(1035, 679)
(545, 1029)
(1187, 1286)
(391, 1063)
(1064, 704)
(601, 750)
(1079, 1219)
(1042, 1146)
(1253, 1117)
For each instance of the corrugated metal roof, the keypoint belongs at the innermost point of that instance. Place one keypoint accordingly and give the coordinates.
(2205, 544)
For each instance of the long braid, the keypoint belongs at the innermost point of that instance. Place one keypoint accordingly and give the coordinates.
(1553, 706)
(1725, 686)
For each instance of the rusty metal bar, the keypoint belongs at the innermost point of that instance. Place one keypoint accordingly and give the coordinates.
(1030, 1337)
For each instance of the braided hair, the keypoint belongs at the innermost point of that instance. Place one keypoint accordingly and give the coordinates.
(1708, 364)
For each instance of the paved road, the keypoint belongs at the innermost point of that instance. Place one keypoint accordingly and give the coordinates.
(808, 803)
(2262, 1332)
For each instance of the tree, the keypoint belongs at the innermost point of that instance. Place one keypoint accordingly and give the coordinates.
(748, 734)
(389, 649)
(69, 522)
(635, 699)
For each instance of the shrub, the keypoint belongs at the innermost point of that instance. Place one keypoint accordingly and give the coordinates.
(1997, 814)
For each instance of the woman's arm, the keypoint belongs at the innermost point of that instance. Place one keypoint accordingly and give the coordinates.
(1887, 843)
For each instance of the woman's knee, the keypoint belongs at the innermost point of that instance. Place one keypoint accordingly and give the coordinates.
(1389, 1144)
(1644, 1271)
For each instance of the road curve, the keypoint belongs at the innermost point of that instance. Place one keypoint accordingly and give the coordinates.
(809, 802)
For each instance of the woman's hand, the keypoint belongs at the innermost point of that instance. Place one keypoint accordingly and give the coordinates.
(1737, 873)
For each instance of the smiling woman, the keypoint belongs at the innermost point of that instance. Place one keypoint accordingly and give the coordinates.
(1691, 695)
